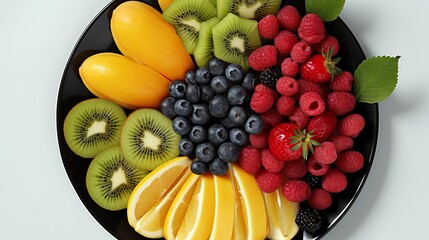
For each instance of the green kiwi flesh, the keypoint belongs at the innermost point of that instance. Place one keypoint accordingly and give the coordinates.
(235, 38)
(110, 179)
(148, 139)
(92, 126)
(251, 9)
(186, 16)
(203, 51)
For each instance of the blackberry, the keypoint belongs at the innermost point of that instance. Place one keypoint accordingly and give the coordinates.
(269, 76)
(308, 220)
(313, 181)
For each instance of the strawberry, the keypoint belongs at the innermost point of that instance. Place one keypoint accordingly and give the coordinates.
(287, 143)
(320, 68)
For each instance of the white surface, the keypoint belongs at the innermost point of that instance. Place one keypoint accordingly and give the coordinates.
(38, 201)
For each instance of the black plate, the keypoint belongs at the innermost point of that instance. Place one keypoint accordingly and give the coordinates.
(97, 38)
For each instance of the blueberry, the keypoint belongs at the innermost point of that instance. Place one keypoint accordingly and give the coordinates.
(234, 72)
(200, 114)
(216, 67)
(217, 134)
(206, 93)
(192, 93)
(190, 77)
(254, 124)
(177, 89)
(167, 107)
(218, 167)
(198, 134)
(237, 115)
(205, 152)
(236, 95)
(249, 82)
(183, 107)
(199, 168)
(202, 75)
(186, 147)
(219, 84)
(238, 136)
(219, 106)
(181, 125)
(228, 123)
(228, 152)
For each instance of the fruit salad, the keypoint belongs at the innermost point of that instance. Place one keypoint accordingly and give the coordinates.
(223, 119)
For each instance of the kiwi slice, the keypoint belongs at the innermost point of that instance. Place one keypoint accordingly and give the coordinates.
(213, 2)
(148, 139)
(110, 179)
(92, 126)
(235, 38)
(203, 51)
(251, 9)
(186, 16)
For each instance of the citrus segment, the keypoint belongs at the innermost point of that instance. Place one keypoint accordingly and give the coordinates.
(178, 208)
(253, 205)
(224, 208)
(239, 227)
(152, 223)
(288, 211)
(198, 221)
(153, 187)
(281, 216)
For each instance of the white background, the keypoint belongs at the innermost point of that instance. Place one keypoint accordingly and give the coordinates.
(38, 202)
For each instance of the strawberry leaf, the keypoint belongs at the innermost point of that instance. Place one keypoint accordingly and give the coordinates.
(375, 79)
(328, 10)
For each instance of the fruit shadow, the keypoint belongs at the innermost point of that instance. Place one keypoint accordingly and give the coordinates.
(376, 180)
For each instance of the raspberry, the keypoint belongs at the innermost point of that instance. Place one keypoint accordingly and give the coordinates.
(300, 52)
(295, 169)
(342, 82)
(351, 125)
(312, 103)
(285, 105)
(328, 43)
(272, 117)
(350, 161)
(268, 181)
(250, 159)
(334, 181)
(311, 29)
(289, 18)
(269, 76)
(284, 41)
(268, 27)
(270, 163)
(261, 101)
(307, 86)
(341, 142)
(298, 117)
(259, 140)
(322, 125)
(296, 190)
(341, 103)
(287, 86)
(315, 168)
(262, 88)
(289, 67)
(326, 153)
(263, 57)
(319, 199)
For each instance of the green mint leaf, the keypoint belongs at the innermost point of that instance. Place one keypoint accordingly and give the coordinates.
(375, 79)
(328, 10)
